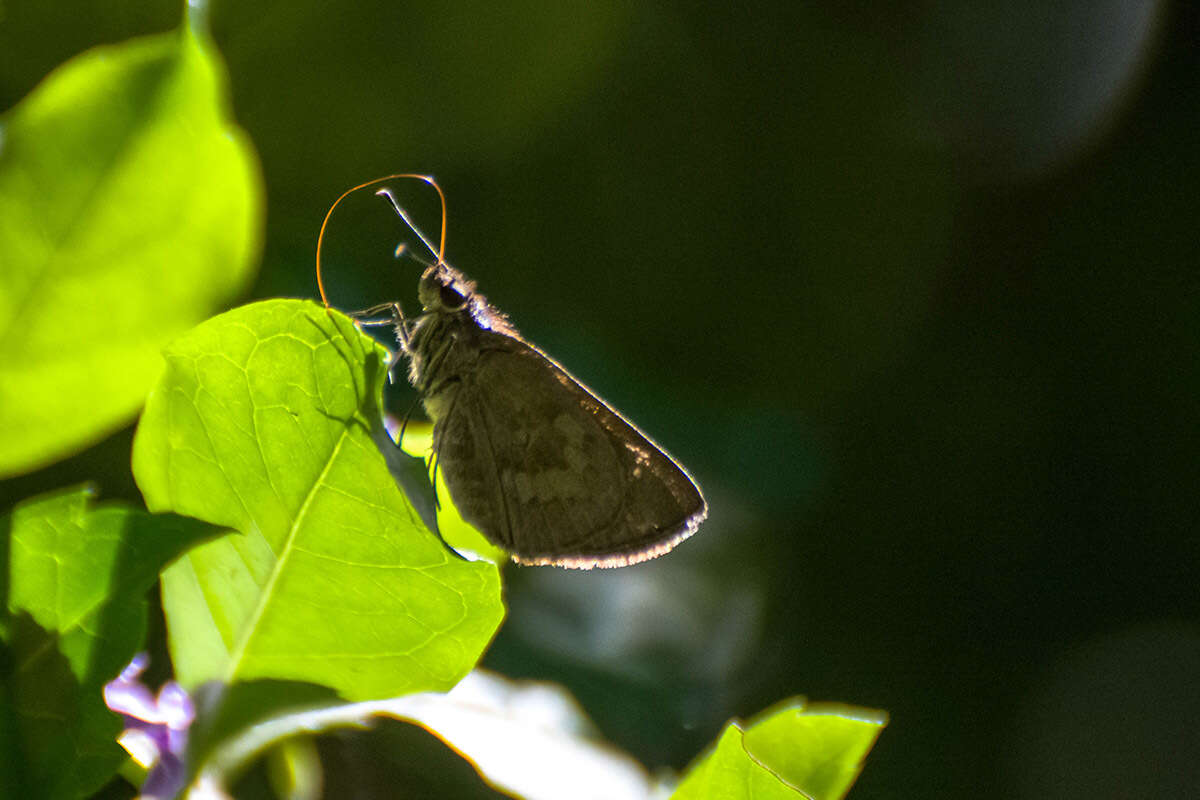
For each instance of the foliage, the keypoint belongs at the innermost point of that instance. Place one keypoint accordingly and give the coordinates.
(262, 423)
(129, 211)
(816, 751)
(322, 599)
(75, 581)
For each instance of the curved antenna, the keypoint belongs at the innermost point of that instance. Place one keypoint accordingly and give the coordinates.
(391, 198)
(320, 236)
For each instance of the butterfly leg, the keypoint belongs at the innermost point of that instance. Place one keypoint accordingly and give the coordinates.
(404, 423)
(439, 431)
(363, 317)
(437, 501)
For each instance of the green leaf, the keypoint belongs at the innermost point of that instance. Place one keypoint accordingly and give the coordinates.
(75, 583)
(819, 748)
(729, 773)
(130, 209)
(789, 752)
(263, 422)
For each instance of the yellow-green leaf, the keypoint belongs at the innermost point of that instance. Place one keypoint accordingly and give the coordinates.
(130, 209)
(789, 752)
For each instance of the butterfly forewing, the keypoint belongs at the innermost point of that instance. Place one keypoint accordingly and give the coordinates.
(548, 471)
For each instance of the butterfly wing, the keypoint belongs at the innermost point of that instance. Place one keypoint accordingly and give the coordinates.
(548, 471)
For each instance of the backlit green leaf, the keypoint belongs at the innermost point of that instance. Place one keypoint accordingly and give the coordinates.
(263, 422)
(794, 751)
(819, 748)
(729, 773)
(130, 209)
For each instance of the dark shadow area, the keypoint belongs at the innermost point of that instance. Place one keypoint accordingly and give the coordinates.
(5, 553)
(391, 759)
(398, 759)
(105, 464)
(412, 476)
(116, 789)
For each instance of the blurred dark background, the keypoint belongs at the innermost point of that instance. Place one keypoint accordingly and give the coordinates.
(912, 290)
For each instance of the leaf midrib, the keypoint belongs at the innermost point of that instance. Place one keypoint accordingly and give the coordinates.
(266, 593)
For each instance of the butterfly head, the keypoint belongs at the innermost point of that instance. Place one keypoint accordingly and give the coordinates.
(444, 290)
(447, 293)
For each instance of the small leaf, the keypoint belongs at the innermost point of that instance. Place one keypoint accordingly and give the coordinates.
(75, 583)
(130, 209)
(264, 422)
(819, 748)
(729, 773)
(790, 752)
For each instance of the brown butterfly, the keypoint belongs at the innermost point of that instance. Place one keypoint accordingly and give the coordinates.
(531, 457)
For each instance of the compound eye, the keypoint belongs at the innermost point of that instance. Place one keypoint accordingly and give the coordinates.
(452, 298)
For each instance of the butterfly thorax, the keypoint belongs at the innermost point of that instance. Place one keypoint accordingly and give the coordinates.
(448, 338)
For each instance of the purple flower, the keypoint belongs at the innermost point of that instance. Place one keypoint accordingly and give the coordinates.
(155, 726)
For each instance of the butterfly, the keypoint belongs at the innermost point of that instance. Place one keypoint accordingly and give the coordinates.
(532, 458)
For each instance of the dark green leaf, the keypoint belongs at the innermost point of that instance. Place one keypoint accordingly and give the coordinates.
(75, 583)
